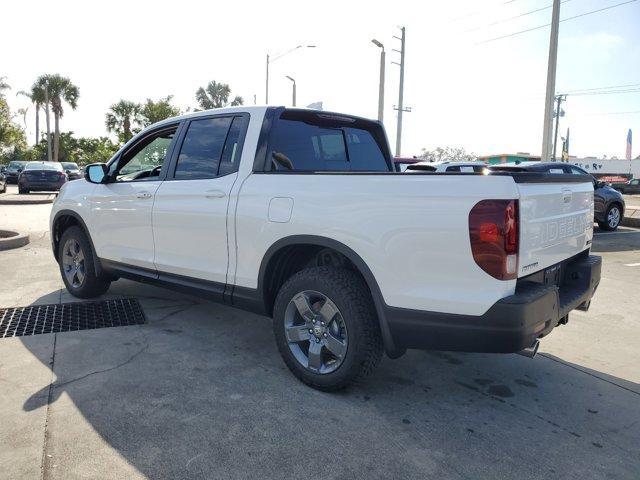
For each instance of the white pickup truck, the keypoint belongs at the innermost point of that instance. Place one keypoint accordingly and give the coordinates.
(298, 215)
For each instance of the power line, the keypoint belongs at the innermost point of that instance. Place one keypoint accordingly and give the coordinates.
(563, 20)
(530, 12)
(476, 12)
(607, 92)
(581, 90)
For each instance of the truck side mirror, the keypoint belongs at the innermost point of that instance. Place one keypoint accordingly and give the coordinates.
(96, 173)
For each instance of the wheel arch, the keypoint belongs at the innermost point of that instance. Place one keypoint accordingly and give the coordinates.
(61, 222)
(319, 243)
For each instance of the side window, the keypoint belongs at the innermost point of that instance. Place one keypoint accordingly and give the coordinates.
(303, 145)
(453, 169)
(231, 153)
(145, 159)
(577, 171)
(202, 148)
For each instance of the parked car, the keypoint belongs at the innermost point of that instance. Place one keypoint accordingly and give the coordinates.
(401, 163)
(72, 170)
(632, 187)
(3, 183)
(609, 204)
(442, 167)
(13, 171)
(299, 215)
(41, 177)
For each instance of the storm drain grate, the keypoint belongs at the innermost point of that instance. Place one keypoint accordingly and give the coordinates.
(67, 317)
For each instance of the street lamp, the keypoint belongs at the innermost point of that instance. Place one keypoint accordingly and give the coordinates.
(294, 89)
(381, 88)
(270, 60)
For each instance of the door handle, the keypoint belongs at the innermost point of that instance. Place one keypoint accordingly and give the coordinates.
(143, 195)
(215, 194)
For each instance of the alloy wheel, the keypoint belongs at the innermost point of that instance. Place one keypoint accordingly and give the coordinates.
(315, 332)
(613, 219)
(73, 263)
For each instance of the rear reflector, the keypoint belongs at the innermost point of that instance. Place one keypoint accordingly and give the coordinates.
(493, 232)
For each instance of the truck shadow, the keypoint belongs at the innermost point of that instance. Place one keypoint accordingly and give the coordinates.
(624, 239)
(201, 392)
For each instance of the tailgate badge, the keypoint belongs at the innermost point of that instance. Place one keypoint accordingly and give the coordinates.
(566, 195)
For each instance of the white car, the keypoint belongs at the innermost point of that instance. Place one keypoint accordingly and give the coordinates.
(298, 215)
(442, 167)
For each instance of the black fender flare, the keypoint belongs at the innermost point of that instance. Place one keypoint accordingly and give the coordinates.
(358, 262)
(70, 213)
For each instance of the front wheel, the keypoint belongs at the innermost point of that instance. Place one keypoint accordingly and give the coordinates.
(612, 219)
(326, 327)
(75, 257)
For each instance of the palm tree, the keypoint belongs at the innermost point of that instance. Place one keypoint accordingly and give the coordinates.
(123, 119)
(216, 95)
(37, 97)
(59, 89)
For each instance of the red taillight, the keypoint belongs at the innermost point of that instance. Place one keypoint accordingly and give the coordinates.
(493, 231)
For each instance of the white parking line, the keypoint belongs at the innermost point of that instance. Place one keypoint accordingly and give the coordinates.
(632, 264)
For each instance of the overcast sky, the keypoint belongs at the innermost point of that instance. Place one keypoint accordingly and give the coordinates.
(487, 98)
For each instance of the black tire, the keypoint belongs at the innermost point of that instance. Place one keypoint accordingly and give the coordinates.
(22, 191)
(91, 285)
(611, 224)
(350, 294)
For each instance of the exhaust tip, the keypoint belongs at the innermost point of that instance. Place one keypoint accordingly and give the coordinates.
(531, 351)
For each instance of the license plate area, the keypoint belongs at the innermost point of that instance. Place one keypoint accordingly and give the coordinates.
(553, 275)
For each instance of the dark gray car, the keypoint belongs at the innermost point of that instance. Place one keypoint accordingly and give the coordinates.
(608, 203)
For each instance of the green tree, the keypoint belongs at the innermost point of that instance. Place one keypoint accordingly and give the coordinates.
(216, 95)
(124, 119)
(60, 90)
(12, 137)
(155, 111)
(448, 154)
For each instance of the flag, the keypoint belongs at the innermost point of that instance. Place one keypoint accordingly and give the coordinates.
(565, 147)
(628, 157)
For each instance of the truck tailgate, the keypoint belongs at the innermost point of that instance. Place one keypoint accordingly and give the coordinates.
(556, 222)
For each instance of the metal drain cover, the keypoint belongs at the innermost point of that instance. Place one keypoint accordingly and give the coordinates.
(67, 317)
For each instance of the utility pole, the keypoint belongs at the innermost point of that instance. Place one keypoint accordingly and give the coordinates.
(381, 85)
(559, 100)
(551, 80)
(400, 108)
(294, 89)
(46, 107)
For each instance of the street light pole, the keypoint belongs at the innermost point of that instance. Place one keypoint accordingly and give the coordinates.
(381, 86)
(271, 60)
(294, 89)
(551, 81)
(46, 109)
(266, 92)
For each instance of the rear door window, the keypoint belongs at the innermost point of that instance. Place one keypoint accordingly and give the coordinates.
(202, 148)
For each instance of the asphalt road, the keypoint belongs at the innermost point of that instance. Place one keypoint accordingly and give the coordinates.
(200, 392)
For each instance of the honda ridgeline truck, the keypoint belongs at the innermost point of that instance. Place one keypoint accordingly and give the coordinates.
(298, 214)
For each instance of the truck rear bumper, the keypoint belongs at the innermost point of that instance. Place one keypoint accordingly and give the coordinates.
(511, 324)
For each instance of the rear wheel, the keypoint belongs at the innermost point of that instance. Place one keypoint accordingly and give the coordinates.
(326, 327)
(22, 190)
(612, 218)
(75, 257)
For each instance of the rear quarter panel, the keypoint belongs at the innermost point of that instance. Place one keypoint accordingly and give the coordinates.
(411, 230)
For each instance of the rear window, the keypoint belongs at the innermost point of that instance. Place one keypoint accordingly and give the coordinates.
(316, 144)
(43, 166)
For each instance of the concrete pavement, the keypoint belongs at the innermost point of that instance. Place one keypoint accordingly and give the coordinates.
(201, 392)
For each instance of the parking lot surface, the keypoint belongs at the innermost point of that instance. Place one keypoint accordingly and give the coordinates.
(200, 391)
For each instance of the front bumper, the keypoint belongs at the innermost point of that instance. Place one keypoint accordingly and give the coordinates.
(511, 324)
(11, 177)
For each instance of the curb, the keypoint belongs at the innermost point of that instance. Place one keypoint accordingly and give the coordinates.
(631, 218)
(10, 240)
(12, 200)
